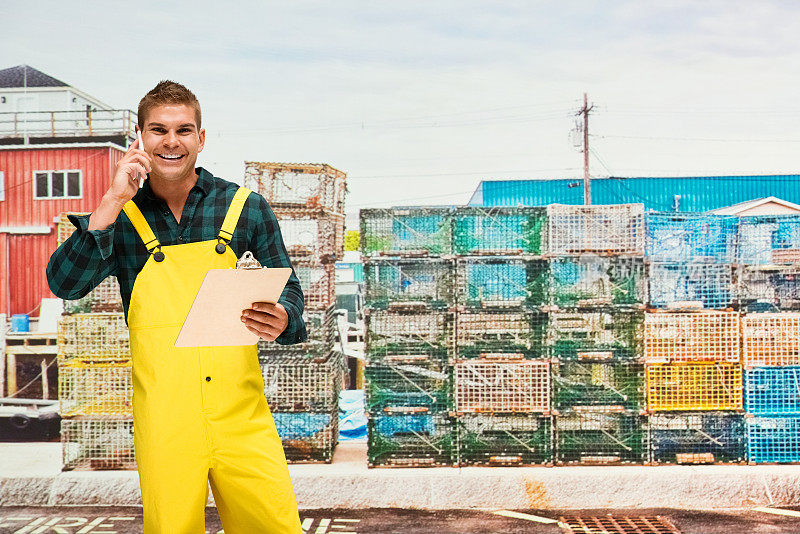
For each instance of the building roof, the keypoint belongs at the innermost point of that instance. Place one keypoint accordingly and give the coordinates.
(760, 206)
(688, 193)
(26, 76)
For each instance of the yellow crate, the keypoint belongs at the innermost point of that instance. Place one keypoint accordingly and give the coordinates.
(90, 388)
(694, 386)
(688, 337)
(771, 339)
(93, 336)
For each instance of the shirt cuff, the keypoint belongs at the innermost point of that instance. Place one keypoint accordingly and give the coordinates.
(296, 329)
(104, 239)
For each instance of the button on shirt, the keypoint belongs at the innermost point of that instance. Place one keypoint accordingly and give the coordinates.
(89, 256)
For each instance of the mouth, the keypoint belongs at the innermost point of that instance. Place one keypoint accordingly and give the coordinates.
(171, 157)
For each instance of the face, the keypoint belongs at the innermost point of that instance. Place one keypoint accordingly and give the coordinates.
(172, 139)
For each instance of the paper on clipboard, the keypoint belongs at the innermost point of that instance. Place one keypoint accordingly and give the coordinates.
(214, 320)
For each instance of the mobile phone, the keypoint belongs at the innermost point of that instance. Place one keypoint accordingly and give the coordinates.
(141, 147)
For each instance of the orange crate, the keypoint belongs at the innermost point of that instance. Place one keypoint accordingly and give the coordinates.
(700, 336)
(771, 339)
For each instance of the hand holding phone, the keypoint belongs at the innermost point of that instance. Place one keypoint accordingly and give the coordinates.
(141, 147)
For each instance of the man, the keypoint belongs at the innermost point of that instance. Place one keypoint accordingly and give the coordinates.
(199, 414)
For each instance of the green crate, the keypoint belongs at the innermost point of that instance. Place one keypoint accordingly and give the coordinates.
(393, 388)
(411, 440)
(498, 230)
(495, 439)
(600, 438)
(609, 385)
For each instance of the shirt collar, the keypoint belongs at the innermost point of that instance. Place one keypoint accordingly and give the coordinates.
(205, 181)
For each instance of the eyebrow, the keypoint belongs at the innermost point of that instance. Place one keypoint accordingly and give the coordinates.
(184, 125)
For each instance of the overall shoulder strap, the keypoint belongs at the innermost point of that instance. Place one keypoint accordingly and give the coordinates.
(234, 211)
(141, 226)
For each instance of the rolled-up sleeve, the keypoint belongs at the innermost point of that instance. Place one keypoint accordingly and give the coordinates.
(269, 249)
(82, 261)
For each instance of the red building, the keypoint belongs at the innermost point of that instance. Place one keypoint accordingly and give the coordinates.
(51, 161)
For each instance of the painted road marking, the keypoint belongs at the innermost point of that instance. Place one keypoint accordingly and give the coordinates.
(527, 517)
(777, 511)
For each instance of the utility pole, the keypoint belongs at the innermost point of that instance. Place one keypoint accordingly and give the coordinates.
(587, 183)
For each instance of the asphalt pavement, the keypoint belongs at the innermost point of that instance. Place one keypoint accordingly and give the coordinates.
(128, 520)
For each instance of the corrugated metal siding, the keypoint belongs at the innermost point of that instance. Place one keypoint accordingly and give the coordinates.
(20, 208)
(696, 193)
(28, 257)
(25, 281)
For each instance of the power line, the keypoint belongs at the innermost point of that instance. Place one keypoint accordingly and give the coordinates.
(715, 139)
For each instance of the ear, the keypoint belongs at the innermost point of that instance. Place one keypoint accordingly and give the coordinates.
(202, 135)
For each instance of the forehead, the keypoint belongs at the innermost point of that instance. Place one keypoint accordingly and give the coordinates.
(172, 114)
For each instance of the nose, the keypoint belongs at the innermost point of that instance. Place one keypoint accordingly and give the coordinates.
(171, 139)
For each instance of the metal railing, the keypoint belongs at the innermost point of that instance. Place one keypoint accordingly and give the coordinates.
(84, 123)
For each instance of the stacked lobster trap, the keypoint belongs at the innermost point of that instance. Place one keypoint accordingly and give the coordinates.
(409, 294)
(596, 296)
(694, 386)
(501, 369)
(302, 382)
(94, 377)
(95, 391)
(771, 354)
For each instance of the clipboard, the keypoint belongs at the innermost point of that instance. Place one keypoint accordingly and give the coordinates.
(214, 320)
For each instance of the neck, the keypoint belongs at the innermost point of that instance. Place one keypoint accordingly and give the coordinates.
(173, 192)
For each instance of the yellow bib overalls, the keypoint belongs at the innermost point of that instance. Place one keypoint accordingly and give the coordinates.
(199, 414)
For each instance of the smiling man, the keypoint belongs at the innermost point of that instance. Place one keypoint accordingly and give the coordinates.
(199, 414)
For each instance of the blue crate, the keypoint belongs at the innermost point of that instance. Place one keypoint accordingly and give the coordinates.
(591, 281)
(710, 283)
(720, 434)
(765, 240)
(773, 439)
(773, 390)
(679, 237)
(503, 281)
(397, 231)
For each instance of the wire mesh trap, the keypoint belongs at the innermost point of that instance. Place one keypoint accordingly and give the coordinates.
(771, 339)
(504, 440)
(769, 239)
(97, 443)
(404, 231)
(502, 387)
(86, 388)
(598, 386)
(595, 335)
(105, 297)
(407, 337)
(773, 439)
(500, 334)
(773, 390)
(711, 285)
(308, 437)
(425, 282)
(402, 388)
(497, 230)
(303, 383)
(321, 330)
(312, 235)
(411, 440)
(93, 336)
(694, 386)
(691, 237)
(600, 438)
(616, 229)
(501, 282)
(770, 287)
(700, 336)
(592, 281)
(297, 185)
(318, 283)
(692, 438)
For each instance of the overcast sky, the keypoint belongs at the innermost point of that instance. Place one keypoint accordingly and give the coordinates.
(419, 101)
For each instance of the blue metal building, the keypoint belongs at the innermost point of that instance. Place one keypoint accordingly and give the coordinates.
(702, 193)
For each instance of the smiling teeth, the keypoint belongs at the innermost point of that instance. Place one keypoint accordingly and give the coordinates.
(170, 157)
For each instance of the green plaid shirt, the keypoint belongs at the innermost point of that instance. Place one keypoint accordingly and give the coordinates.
(88, 257)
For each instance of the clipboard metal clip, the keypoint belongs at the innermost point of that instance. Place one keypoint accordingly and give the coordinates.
(248, 261)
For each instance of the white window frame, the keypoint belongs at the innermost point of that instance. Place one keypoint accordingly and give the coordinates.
(50, 184)
(2, 186)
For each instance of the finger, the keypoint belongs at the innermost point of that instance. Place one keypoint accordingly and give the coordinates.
(267, 307)
(141, 157)
(261, 335)
(264, 328)
(261, 317)
(135, 170)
